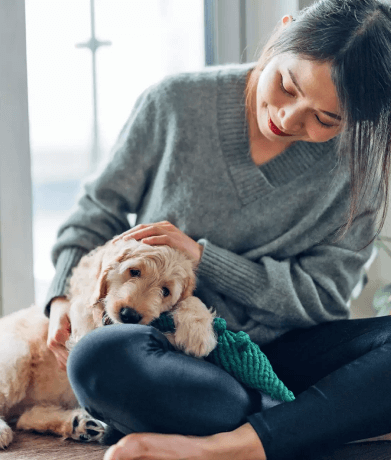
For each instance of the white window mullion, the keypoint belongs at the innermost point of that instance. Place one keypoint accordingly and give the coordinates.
(16, 250)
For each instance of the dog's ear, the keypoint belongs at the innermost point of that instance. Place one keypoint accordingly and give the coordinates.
(100, 291)
(110, 257)
(99, 273)
(188, 288)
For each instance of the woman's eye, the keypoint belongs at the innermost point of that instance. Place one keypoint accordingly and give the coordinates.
(324, 124)
(165, 292)
(135, 273)
(283, 87)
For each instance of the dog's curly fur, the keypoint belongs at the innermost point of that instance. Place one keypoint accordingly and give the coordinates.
(121, 282)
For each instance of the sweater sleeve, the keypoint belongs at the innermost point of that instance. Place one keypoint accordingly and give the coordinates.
(102, 210)
(281, 294)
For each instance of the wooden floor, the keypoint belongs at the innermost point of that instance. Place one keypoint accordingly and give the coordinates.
(31, 446)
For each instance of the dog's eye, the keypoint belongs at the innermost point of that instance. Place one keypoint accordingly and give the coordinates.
(135, 273)
(165, 291)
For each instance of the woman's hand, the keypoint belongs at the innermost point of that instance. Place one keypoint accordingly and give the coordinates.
(59, 330)
(162, 233)
(240, 444)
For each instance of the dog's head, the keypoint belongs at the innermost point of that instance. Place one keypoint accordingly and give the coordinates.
(137, 282)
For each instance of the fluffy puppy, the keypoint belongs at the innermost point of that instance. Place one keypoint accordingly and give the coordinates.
(122, 282)
(33, 389)
(135, 283)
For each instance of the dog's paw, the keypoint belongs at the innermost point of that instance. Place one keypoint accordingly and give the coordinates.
(85, 428)
(6, 435)
(197, 339)
(196, 345)
(194, 333)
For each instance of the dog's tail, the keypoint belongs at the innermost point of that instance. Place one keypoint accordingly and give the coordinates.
(6, 434)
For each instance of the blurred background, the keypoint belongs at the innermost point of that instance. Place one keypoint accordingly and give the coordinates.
(87, 62)
(71, 72)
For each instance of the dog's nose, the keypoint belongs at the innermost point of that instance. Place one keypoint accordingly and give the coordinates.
(129, 316)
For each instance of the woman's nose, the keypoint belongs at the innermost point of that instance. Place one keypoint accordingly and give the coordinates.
(291, 119)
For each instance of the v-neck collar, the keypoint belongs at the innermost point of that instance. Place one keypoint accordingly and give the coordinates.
(252, 182)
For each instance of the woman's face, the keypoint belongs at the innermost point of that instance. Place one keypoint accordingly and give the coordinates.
(296, 100)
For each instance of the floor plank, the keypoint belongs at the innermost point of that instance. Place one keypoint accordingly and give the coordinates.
(34, 446)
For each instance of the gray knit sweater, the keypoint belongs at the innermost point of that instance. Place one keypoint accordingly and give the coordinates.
(270, 262)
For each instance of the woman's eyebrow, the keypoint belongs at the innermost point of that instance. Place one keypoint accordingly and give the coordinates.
(330, 114)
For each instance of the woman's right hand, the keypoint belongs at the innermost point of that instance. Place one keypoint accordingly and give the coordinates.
(59, 330)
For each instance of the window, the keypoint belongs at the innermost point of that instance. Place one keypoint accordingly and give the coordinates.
(148, 40)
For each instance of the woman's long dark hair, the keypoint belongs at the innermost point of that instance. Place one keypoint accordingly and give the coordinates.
(354, 36)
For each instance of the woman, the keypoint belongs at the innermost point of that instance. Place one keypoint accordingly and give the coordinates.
(270, 178)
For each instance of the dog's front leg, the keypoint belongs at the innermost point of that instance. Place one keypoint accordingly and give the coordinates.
(194, 333)
(76, 424)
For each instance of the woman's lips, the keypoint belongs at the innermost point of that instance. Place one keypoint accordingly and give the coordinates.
(275, 130)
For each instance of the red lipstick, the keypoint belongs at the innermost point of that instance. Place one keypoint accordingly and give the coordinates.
(275, 130)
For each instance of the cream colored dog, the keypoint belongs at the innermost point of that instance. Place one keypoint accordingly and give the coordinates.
(138, 282)
(122, 282)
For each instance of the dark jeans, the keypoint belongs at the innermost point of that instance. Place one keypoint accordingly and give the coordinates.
(130, 377)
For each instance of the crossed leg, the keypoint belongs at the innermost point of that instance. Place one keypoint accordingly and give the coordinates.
(130, 377)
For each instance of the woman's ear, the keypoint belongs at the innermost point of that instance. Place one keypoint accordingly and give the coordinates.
(286, 20)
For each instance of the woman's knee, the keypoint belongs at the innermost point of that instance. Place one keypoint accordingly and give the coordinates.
(108, 359)
(132, 374)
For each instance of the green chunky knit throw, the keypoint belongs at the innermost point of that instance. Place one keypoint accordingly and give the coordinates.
(240, 357)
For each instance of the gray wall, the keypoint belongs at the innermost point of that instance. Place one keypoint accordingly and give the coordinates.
(236, 30)
(304, 3)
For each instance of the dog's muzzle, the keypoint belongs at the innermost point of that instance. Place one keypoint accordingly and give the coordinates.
(128, 315)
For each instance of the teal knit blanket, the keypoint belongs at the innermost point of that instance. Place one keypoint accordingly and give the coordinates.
(240, 357)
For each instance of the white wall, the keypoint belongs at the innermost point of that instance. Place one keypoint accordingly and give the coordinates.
(16, 258)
